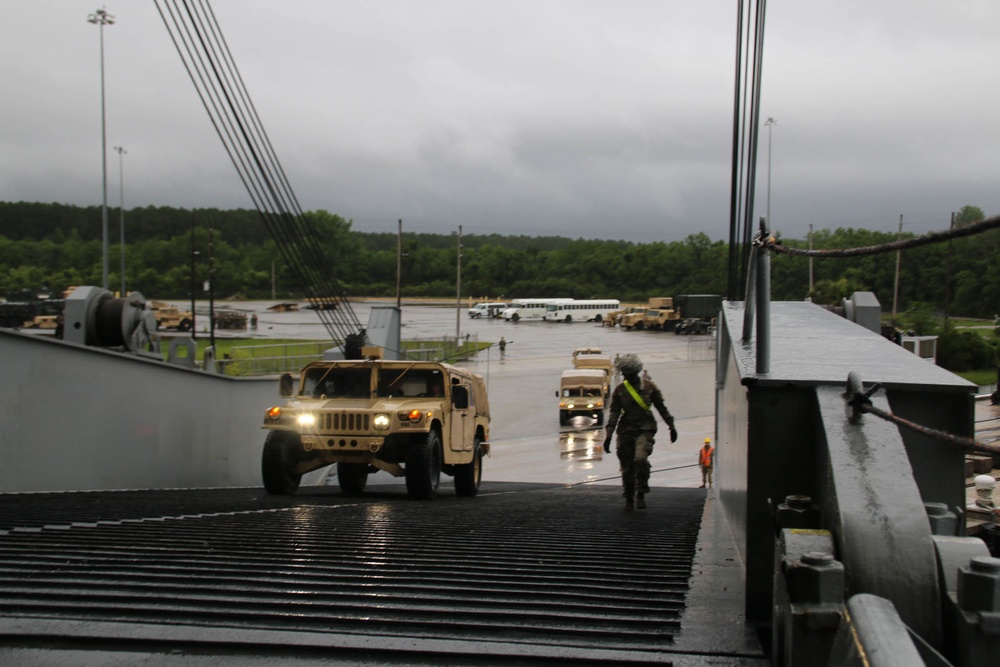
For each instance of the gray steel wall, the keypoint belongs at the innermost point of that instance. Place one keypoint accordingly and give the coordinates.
(84, 418)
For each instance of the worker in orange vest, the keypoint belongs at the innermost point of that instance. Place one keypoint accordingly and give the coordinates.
(706, 458)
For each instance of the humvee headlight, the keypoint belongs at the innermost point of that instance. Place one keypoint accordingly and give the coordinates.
(590, 406)
(274, 414)
(306, 420)
(570, 405)
(381, 422)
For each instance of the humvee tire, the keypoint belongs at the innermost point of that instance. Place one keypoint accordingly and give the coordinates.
(423, 468)
(353, 477)
(279, 480)
(563, 417)
(600, 418)
(469, 475)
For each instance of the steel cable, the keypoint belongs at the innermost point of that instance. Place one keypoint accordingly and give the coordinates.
(931, 237)
(861, 402)
(211, 68)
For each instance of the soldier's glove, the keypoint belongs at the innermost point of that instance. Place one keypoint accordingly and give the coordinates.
(673, 434)
(607, 444)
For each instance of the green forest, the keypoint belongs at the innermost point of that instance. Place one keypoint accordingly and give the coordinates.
(168, 250)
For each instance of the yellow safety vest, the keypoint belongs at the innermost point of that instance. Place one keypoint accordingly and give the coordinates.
(635, 395)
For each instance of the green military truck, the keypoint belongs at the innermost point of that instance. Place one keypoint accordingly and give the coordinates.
(698, 313)
(412, 419)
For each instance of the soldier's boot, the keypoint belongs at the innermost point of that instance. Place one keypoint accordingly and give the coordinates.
(629, 504)
(640, 502)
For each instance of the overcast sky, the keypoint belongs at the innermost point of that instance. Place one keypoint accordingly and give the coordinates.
(580, 118)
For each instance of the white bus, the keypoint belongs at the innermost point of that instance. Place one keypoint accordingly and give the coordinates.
(528, 309)
(586, 310)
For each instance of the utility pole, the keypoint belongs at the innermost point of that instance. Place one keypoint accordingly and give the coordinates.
(101, 18)
(895, 289)
(121, 210)
(810, 260)
(458, 290)
(194, 286)
(211, 291)
(947, 281)
(399, 266)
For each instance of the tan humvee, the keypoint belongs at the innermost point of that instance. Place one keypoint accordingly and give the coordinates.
(171, 317)
(410, 418)
(582, 391)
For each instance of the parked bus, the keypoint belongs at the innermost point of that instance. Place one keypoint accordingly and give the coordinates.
(588, 310)
(528, 309)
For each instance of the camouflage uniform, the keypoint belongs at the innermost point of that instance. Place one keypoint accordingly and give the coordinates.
(636, 428)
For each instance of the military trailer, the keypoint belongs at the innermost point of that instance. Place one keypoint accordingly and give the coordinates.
(582, 392)
(413, 419)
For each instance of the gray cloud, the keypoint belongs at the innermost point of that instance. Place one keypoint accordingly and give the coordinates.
(592, 119)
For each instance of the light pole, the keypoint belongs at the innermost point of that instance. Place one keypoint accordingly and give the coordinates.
(121, 210)
(769, 123)
(101, 18)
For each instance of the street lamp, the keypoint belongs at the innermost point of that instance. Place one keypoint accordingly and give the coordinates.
(101, 18)
(769, 123)
(121, 210)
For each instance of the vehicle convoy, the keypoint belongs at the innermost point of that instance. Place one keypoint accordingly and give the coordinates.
(413, 419)
(582, 392)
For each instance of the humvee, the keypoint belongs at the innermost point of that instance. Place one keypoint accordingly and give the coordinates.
(582, 391)
(413, 419)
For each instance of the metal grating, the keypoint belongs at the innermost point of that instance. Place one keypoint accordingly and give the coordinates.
(526, 566)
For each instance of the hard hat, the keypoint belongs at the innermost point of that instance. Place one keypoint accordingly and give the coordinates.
(630, 364)
(708, 440)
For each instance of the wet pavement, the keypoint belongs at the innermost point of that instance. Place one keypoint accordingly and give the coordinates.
(529, 445)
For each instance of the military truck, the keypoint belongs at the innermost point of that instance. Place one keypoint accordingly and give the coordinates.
(171, 317)
(632, 318)
(698, 313)
(593, 357)
(582, 391)
(413, 419)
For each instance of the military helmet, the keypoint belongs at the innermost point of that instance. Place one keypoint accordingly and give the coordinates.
(630, 364)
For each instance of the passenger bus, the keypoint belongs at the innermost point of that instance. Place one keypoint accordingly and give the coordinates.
(587, 310)
(528, 309)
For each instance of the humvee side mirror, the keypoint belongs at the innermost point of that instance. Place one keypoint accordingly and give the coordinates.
(286, 385)
(460, 397)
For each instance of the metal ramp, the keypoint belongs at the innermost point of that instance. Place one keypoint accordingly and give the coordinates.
(533, 572)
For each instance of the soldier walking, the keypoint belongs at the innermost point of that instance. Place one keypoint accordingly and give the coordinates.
(631, 412)
(706, 459)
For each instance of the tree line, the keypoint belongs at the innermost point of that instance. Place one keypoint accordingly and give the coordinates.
(169, 251)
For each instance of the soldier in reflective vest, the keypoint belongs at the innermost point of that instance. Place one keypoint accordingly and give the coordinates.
(631, 413)
(706, 456)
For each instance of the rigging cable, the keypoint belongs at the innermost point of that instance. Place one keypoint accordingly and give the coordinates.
(218, 83)
(928, 238)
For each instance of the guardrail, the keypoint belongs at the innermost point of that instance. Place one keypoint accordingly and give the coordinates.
(257, 360)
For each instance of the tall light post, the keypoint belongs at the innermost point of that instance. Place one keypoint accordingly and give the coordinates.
(121, 210)
(769, 123)
(101, 18)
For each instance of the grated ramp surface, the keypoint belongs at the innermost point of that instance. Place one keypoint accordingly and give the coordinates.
(551, 573)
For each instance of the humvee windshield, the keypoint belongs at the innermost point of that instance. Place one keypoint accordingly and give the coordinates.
(579, 391)
(410, 382)
(337, 382)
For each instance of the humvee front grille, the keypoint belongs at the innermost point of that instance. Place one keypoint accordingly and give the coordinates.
(345, 422)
